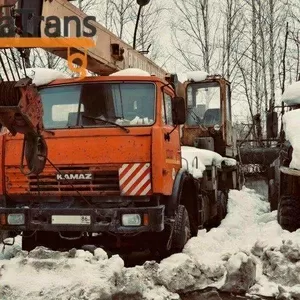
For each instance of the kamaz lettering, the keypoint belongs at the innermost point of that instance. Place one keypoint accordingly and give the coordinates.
(74, 176)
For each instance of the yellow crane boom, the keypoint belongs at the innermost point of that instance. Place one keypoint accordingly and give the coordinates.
(110, 53)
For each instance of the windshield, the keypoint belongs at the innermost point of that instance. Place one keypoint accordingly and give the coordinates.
(128, 104)
(204, 102)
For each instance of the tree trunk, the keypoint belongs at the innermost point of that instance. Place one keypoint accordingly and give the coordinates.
(272, 55)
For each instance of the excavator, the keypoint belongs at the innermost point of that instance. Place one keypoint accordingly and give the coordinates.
(103, 154)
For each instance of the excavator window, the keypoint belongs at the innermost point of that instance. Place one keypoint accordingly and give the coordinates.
(127, 104)
(167, 110)
(204, 104)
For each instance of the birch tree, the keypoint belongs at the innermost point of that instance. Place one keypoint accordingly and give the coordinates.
(195, 34)
(232, 18)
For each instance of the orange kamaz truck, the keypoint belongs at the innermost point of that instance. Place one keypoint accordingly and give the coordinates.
(99, 160)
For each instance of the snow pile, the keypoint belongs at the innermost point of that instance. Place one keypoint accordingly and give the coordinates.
(291, 123)
(241, 273)
(144, 280)
(194, 160)
(8, 252)
(248, 252)
(229, 161)
(191, 161)
(280, 266)
(196, 75)
(78, 274)
(237, 233)
(42, 76)
(53, 275)
(179, 272)
(291, 95)
(131, 72)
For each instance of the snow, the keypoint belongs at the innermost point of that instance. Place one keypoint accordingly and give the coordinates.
(249, 250)
(42, 76)
(182, 77)
(131, 72)
(135, 121)
(194, 160)
(3, 131)
(196, 75)
(235, 261)
(178, 272)
(191, 161)
(141, 121)
(291, 95)
(229, 161)
(291, 125)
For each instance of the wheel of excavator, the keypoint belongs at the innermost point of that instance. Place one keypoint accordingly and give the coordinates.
(289, 212)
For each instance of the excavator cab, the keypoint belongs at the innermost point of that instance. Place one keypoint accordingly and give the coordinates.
(209, 120)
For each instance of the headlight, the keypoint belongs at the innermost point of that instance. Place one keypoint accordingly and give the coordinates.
(16, 219)
(131, 220)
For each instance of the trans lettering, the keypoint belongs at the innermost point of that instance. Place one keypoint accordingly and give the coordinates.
(54, 25)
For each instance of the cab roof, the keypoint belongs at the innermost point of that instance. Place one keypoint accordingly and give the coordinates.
(104, 79)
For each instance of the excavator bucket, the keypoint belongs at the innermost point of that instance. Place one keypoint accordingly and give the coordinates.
(255, 161)
(21, 111)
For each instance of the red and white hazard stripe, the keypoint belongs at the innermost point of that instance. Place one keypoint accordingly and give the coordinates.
(135, 179)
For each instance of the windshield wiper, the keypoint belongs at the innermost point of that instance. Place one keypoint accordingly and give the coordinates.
(108, 122)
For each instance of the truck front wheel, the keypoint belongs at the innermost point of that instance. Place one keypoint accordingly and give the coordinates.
(289, 212)
(28, 241)
(182, 229)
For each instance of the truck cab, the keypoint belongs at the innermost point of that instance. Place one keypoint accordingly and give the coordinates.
(209, 116)
(113, 156)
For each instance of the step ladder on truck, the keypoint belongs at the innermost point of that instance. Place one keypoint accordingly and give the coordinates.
(112, 159)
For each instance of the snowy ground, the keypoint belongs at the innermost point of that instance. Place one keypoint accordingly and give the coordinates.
(249, 251)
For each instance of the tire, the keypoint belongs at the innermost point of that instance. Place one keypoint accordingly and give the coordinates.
(221, 209)
(288, 215)
(28, 241)
(182, 229)
(40, 238)
(4, 235)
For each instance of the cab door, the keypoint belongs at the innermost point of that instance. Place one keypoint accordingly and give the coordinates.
(230, 134)
(171, 141)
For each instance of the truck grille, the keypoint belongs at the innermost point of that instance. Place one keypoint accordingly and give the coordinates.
(103, 181)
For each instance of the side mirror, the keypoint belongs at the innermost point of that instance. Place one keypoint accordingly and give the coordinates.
(272, 125)
(178, 111)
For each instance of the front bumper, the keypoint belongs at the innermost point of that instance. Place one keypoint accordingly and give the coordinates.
(101, 220)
